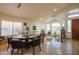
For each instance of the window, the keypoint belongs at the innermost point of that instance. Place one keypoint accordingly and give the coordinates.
(73, 13)
(6, 28)
(69, 26)
(47, 28)
(56, 27)
(17, 27)
(10, 27)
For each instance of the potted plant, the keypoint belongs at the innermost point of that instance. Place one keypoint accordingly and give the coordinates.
(49, 32)
(55, 34)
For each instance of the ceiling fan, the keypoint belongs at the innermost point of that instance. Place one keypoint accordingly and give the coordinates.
(19, 5)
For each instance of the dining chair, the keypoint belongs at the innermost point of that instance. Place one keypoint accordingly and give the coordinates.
(9, 39)
(35, 42)
(42, 34)
(1, 39)
(19, 45)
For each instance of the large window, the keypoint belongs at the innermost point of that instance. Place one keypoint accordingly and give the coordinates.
(69, 26)
(56, 27)
(6, 28)
(47, 28)
(73, 13)
(17, 27)
(10, 27)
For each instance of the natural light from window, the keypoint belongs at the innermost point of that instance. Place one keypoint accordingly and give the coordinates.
(47, 28)
(56, 27)
(73, 13)
(10, 27)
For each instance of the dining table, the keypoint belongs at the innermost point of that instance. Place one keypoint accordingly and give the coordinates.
(24, 38)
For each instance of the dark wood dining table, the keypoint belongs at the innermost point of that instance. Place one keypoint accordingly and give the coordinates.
(23, 38)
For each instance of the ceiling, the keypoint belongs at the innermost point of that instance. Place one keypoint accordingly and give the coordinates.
(31, 10)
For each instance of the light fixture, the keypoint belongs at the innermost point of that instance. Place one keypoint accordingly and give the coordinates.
(41, 19)
(19, 5)
(55, 9)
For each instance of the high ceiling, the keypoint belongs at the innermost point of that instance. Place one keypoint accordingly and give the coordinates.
(31, 10)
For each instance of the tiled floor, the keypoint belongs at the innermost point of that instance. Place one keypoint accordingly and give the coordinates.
(51, 46)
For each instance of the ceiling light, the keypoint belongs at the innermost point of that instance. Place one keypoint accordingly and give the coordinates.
(41, 19)
(55, 9)
(19, 5)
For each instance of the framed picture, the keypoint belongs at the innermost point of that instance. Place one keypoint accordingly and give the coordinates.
(34, 27)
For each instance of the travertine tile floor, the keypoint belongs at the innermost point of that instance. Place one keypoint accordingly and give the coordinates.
(50, 46)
